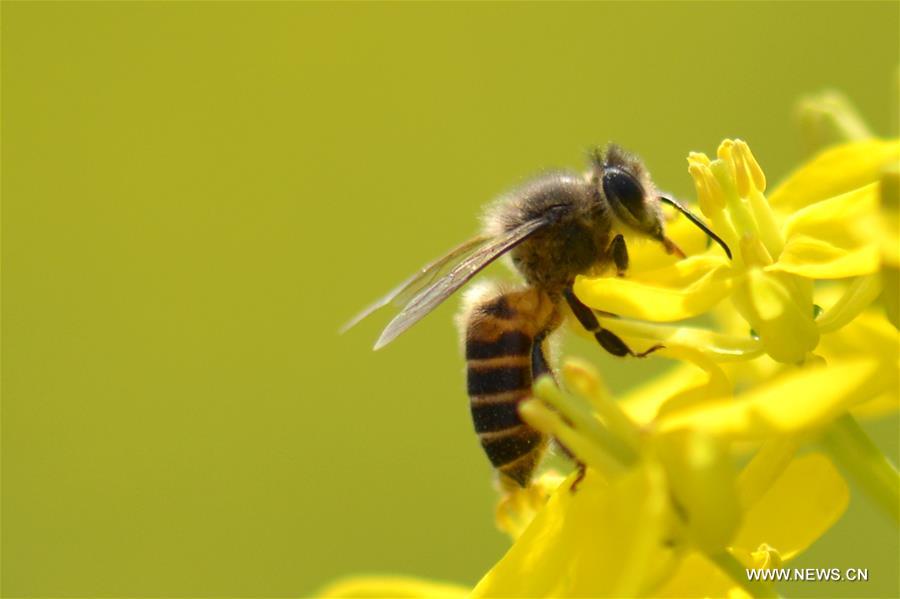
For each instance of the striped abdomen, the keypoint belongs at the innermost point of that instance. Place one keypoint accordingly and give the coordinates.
(504, 351)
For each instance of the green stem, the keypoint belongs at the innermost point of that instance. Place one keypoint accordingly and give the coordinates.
(829, 118)
(737, 572)
(852, 449)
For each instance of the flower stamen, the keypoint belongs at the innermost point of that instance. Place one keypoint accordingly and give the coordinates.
(538, 415)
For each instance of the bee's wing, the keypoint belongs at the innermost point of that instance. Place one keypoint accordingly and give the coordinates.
(431, 296)
(405, 291)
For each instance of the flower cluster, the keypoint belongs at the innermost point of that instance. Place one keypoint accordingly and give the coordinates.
(798, 339)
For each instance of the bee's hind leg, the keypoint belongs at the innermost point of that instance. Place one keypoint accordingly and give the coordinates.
(582, 470)
(606, 338)
(579, 465)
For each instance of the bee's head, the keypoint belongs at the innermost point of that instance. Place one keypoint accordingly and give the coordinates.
(623, 181)
(625, 184)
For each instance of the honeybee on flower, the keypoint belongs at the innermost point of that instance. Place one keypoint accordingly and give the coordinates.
(698, 474)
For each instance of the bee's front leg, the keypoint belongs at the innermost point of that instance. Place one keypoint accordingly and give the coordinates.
(606, 338)
(618, 251)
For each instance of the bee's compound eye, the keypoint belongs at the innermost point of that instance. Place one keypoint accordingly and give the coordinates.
(622, 187)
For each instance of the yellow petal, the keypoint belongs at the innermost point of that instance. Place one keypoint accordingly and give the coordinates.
(820, 259)
(878, 407)
(646, 255)
(716, 385)
(398, 587)
(867, 331)
(800, 401)
(702, 478)
(857, 296)
(643, 403)
(805, 501)
(640, 336)
(517, 507)
(871, 334)
(717, 346)
(834, 238)
(767, 465)
(742, 373)
(890, 216)
(890, 242)
(835, 171)
(890, 297)
(697, 576)
(782, 319)
(602, 540)
(685, 289)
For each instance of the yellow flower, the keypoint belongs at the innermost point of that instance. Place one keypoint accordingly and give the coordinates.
(818, 225)
(396, 587)
(890, 238)
(862, 376)
(658, 506)
(830, 118)
(777, 526)
(661, 509)
(603, 540)
(868, 336)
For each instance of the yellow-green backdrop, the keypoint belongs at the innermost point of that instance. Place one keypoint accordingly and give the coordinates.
(197, 195)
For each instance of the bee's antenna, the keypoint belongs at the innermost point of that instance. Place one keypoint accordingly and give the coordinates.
(693, 218)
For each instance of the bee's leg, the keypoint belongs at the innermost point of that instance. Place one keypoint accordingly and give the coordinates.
(606, 338)
(618, 251)
(539, 365)
(579, 465)
(582, 470)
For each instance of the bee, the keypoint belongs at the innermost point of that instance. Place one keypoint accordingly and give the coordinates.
(554, 228)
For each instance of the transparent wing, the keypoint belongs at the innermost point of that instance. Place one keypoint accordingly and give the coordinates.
(431, 296)
(405, 291)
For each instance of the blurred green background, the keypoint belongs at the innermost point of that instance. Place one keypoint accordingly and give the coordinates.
(196, 196)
